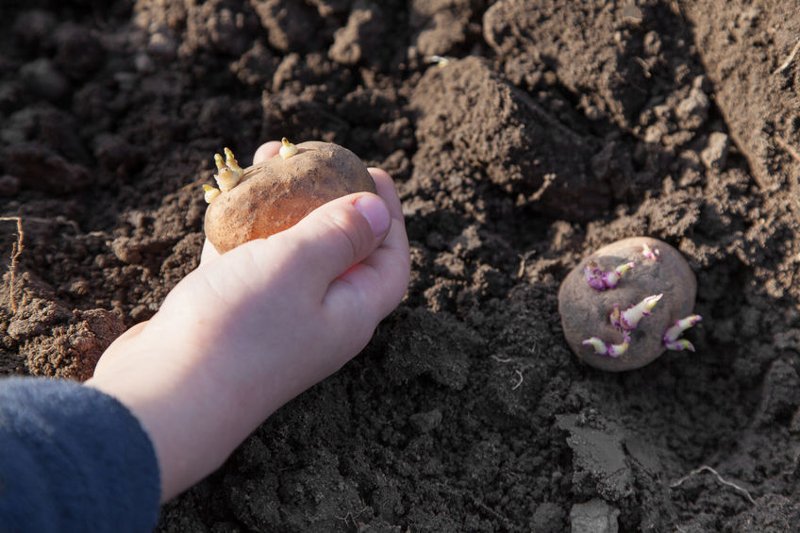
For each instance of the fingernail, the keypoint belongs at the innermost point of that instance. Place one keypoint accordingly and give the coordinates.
(376, 213)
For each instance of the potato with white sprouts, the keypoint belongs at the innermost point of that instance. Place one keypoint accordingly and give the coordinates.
(627, 303)
(272, 196)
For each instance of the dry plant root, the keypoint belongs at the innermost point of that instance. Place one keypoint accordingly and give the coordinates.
(705, 468)
(16, 252)
(269, 197)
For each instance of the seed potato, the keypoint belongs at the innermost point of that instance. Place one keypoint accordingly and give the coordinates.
(274, 195)
(585, 311)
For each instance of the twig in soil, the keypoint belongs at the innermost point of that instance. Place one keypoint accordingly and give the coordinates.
(523, 262)
(501, 359)
(645, 68)
(783, 143)
(547, 181)
(706, 468)
(789, 59)
(518, 384)
(16, 252)
(676, 8)
(350, 517)
(489, 510)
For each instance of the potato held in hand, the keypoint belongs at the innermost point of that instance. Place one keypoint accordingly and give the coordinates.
(269, 197)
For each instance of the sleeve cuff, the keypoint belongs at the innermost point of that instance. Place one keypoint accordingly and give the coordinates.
(73, 459)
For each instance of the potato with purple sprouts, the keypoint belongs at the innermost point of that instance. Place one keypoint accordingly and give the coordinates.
(627, 303)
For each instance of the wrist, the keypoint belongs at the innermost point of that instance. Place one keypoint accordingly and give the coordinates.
(188, 420)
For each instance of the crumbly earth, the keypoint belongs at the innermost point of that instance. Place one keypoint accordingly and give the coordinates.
(552, 129)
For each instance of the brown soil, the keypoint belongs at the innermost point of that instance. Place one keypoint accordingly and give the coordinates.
(554, 128)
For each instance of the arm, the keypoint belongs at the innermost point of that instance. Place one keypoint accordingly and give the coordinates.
(73, 459)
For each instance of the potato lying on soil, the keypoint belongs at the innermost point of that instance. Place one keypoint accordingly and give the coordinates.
(625, 304)
(269, 197)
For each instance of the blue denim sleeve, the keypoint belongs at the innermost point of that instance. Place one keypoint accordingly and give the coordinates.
(73, 459)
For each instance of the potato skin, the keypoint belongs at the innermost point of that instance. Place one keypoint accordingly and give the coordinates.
(585, 311)
(278, 193)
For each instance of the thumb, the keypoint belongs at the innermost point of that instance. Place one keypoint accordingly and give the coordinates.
(334, 237)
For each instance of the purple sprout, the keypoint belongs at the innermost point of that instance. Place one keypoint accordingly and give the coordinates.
(625, 321)
(608, 349)
(600, 280)
(650, 253)
(628, 319)
(671, 338)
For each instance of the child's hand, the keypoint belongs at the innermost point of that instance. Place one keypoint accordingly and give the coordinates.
(249, 330)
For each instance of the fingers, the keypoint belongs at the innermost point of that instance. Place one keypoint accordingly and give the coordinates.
(386, 190)
(331, 239)
(266, 151)
(378, 283)
(209, 253)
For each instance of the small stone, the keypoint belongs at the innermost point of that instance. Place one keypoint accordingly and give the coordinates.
(10, 96)
(701, 82)
(426, 422)
(80, 53)
(548, 518)
(594, 516)
(326, 8)
(360, 38)
(80, 287)
(692, 111)
(43, 79)
(35, 28)
(652, 43)
(440, 28)
(126, 251)
(715, 154)
(143, 63)
(162, 46)
(9, 185)
(653, 134)
(256, 66)
(632, 14)
(290, 25)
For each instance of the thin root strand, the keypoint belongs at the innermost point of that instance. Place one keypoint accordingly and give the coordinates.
(16, 252)
(705, 468)
(789, 59)
(783, 143)
(518, 384)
